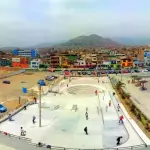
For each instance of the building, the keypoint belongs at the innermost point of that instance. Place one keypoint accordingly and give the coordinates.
(25, 52)
(80, 64)
(55, 61)
(147, 57)
(34, 64)
(5, 62)
(127, 62)
(20, 62)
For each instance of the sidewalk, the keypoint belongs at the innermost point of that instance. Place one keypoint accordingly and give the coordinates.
(140, 98)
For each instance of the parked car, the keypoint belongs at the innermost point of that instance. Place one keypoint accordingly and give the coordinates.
(2, 108)
(125, 71)
(136, 70)
(50, 78)
(148, 69)
(79, 72)
(84, 73)
(103, 72)
(6, 82)
(88, 72)
(144, 70)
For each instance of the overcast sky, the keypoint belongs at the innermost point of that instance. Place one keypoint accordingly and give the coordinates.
(30, 22)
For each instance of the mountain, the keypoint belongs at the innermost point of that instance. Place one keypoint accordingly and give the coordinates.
(88, 41)
(133, 41)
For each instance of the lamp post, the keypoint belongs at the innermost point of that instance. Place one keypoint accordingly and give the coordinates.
(39, 105)
(121, 72)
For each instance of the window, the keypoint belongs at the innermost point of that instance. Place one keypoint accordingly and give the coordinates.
(33, 63)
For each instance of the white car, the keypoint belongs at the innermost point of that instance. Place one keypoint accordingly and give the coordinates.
(145, 70)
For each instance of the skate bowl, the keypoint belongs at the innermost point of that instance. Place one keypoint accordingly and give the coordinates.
(82, 90)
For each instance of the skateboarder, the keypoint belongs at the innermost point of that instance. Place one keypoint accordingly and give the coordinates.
(33, 119)
(35, 100)
(118, 140)
(86, 115)
(25, 107)
(121, 119)
(85, 130)
(23, 132)
(113, 93)
(10, 117)
(96, 92)
(109, 103)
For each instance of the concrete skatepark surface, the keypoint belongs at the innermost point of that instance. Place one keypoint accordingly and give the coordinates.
(64, 126)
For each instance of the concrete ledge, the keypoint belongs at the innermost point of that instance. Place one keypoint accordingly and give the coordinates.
(135, 126)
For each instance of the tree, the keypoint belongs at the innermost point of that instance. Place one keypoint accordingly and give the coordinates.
(119, 85)
(118, 66)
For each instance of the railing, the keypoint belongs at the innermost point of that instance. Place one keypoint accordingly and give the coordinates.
(29, 142)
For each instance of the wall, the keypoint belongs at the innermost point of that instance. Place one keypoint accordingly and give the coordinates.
(12, 74)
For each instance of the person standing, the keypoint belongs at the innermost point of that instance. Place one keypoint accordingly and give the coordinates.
(86, 130)
(109, 103)
(33, 119)
(86, 115)
(118, 140)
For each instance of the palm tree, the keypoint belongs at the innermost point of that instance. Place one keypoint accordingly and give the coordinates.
(119, 86)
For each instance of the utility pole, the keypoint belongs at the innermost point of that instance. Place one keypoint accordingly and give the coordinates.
(39, 105)
(121, 72)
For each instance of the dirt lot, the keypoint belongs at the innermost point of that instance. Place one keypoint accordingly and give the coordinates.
(9, 93)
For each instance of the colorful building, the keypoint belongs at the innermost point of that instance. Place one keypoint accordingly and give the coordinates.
(127, 62)
(25, 52)
(20, 62)
(55, 61)
(5, 62)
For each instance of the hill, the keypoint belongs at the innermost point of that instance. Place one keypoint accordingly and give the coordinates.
(88, 41)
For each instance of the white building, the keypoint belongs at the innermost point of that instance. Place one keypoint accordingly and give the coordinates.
(147, 57)
(80, 63)
(34, 64)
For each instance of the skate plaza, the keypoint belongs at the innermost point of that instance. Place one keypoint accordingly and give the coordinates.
(70, 107)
